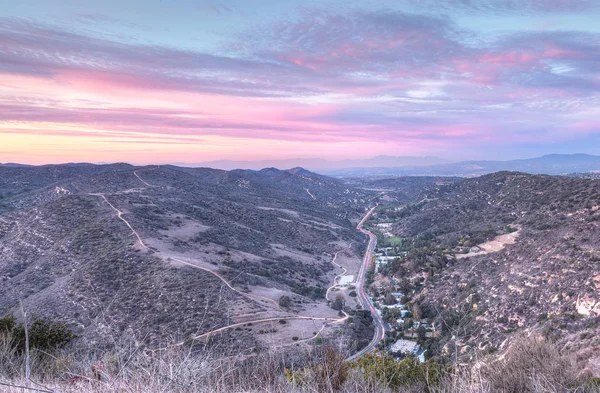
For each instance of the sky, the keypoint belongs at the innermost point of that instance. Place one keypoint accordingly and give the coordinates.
(189, 81)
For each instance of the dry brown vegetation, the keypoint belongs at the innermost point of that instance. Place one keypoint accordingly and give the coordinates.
(531, 365)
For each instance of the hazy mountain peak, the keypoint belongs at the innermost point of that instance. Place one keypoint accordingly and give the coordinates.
(300, 171)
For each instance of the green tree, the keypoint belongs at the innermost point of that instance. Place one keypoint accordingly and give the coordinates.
(393, 374)
(7, 324)
(421, 332)
(389, 299)
(338, 303)
(43, 333)
(285, 301)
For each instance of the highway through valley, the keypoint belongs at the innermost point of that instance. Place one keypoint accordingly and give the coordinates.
(365, 301)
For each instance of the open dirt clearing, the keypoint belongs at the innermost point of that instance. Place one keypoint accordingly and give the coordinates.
(494, 245)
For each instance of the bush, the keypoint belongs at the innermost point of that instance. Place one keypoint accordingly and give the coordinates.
(285, 301)
(329, 375)
(532, 364)
(44, 334)
(338, 303)
(406, 373)
(7, 324)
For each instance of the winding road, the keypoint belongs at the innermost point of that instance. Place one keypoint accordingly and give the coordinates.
(365, 301)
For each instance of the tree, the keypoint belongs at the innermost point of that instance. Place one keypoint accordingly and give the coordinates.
(43, 333)
(285, 301)
(389, 299)
(416, 310)
(7, 324)
(338, 303)
(421, 332)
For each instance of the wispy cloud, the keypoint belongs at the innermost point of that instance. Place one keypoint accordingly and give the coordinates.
(511, 6)
(320, 77)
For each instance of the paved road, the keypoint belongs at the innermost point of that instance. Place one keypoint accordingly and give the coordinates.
(365, 301)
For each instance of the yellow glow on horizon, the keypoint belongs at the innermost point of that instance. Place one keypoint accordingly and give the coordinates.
(32, 146)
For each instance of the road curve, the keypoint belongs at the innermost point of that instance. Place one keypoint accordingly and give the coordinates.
(365, 301)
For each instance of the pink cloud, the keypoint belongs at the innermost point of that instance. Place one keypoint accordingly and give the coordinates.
(329, 79)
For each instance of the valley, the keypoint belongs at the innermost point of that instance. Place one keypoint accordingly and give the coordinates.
(164, 223)
(247, 262)
(469, 267)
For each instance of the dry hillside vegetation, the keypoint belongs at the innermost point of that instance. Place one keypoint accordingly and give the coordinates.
(544, 280)
(167, 254)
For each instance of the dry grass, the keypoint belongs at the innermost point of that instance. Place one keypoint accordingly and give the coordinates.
(531, 365)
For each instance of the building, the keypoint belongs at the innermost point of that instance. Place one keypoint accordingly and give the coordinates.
(407, 347)
(382, 261)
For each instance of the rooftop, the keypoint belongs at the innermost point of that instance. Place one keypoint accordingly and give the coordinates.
(406, 346)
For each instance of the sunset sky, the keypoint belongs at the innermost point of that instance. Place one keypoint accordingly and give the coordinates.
(186, 81)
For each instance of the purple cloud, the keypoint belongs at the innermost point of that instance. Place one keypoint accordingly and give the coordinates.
(511, 6)
(336, 76)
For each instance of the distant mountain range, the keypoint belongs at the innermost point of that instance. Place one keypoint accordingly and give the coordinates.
(552, 164)
(13, 165)
(321, 165)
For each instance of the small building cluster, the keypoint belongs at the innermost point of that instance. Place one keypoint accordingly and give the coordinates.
(385, 255)
(384, 228)
(407, 347)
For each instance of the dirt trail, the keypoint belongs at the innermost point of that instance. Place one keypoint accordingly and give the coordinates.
(255, 298)
(332, 320)
(142, 180)
(139, 241)
(335, 279)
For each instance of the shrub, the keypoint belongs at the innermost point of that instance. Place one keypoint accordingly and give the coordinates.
(44, 334)
(7, 324)
(285, 301)
(332, 371)
(338, 303)
(532, 364)
(393, 374)
(329, 375)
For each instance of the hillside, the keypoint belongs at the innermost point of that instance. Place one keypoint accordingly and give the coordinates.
(505, 253)
(164, 254)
